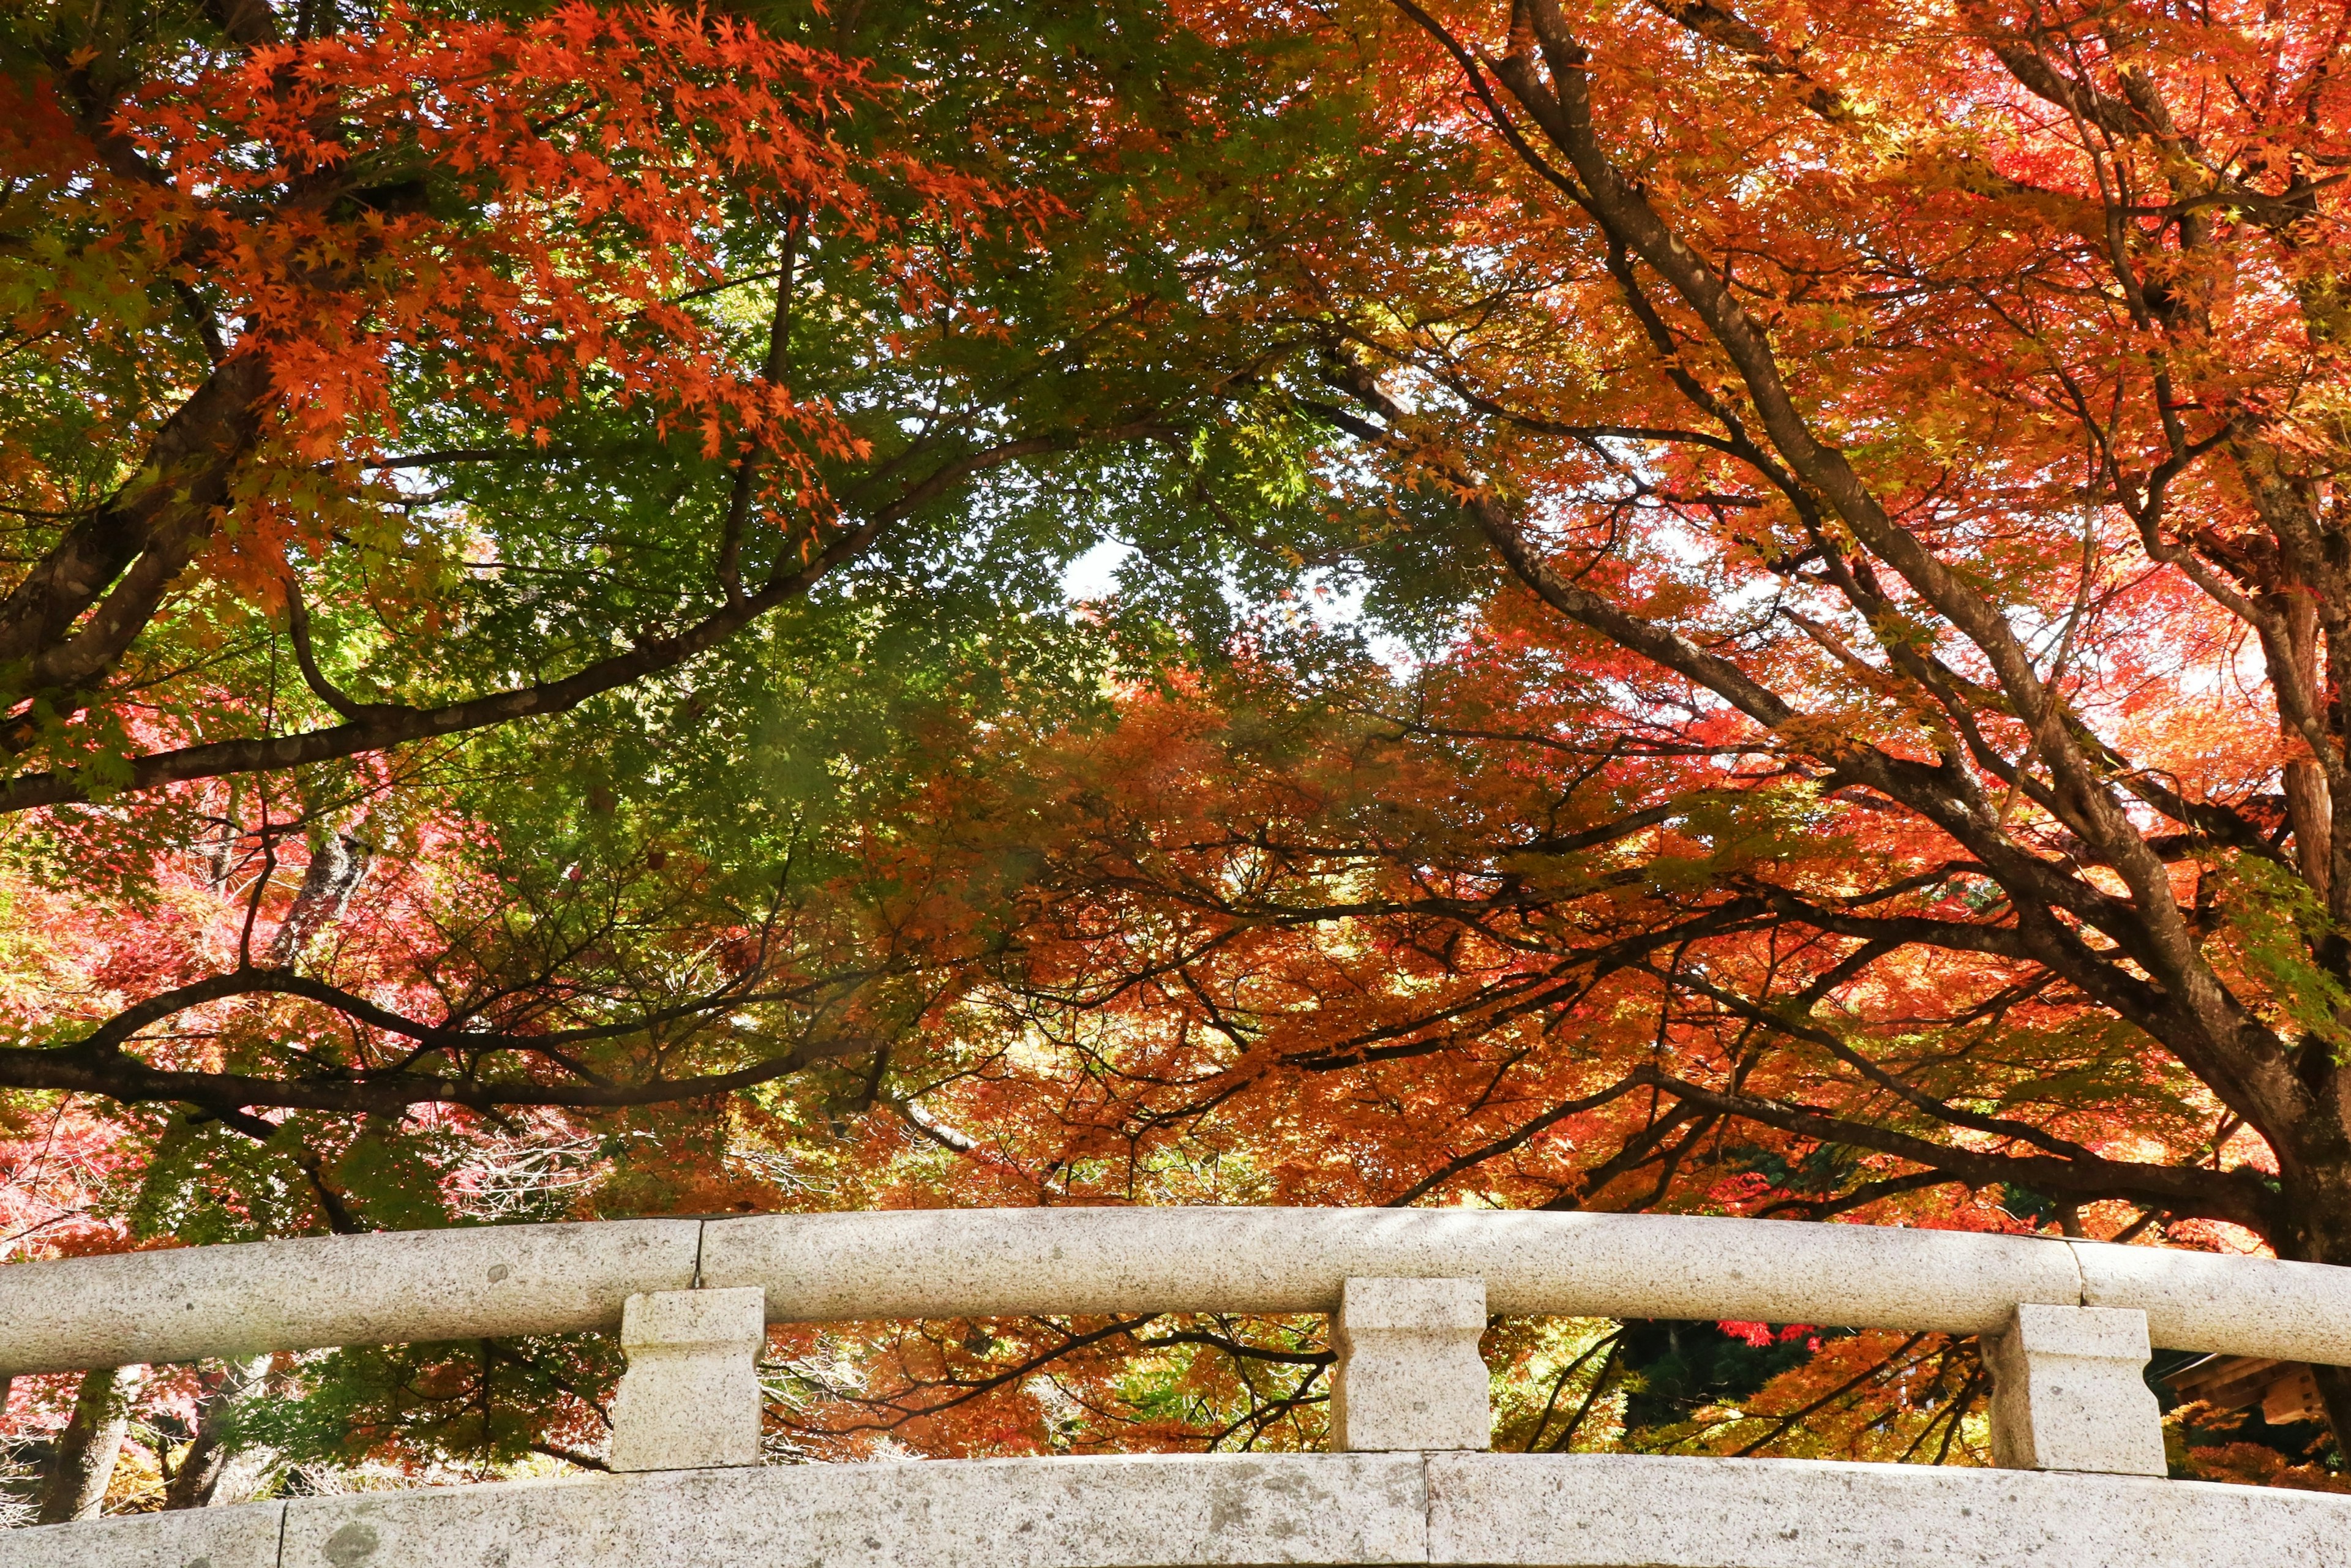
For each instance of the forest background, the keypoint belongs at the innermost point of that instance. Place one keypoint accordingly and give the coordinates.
(1601, 605)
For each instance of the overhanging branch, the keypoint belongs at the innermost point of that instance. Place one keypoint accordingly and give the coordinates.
(2237, 1197)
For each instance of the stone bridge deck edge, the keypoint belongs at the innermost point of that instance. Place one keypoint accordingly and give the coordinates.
(1578, 1510)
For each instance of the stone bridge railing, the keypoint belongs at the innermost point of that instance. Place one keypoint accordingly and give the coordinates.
(2067, 1328)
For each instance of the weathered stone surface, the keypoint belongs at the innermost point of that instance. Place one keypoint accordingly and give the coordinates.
(2243, 1306)
(1409, 1375)
(1509, 1511)
(690, 1399)
(1008, 1514)
(243, 1537)
(238, 1301)
(1625, 1511)
(389, 1288)
(949, 1263)
(2069, 1394)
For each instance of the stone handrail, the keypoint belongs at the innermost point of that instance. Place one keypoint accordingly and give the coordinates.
(2066, 1329)
(389, 1288)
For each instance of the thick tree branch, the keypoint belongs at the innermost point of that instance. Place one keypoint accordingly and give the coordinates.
(2238, 1196)
(381, 726)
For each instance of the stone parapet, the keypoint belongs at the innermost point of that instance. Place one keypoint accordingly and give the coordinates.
(69, 1315)
(1505, 1511)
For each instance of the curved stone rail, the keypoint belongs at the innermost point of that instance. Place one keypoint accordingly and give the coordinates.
(2067, 1330)
(392, 1288)
(1577, 1510)
(236, 1301)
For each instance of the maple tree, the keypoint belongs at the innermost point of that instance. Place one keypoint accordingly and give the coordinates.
(523, 489)
(1907, 777)
(232, 276)
(1858, 484)
(426, 410)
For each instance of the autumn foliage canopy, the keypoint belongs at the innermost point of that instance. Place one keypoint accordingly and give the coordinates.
(1701, 607)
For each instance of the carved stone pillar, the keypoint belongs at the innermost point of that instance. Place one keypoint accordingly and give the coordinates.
(1409, 1375)
(690, 1399)
(2069, 1391)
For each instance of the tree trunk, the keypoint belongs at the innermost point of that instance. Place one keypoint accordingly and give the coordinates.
(338, 863)
(2310, 807)
(2335, 1393)
(2317, 1229)
(199, 1481)
(75, 1485)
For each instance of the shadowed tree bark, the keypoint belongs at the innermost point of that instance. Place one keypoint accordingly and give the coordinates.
(74, 1484)
(208, 1463)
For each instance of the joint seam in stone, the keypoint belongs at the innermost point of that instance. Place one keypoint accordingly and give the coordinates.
(1427, 1511)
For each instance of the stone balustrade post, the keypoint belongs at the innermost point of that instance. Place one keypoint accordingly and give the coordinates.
(690, 1399)
(1409, 1375)
(2069, 1391)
